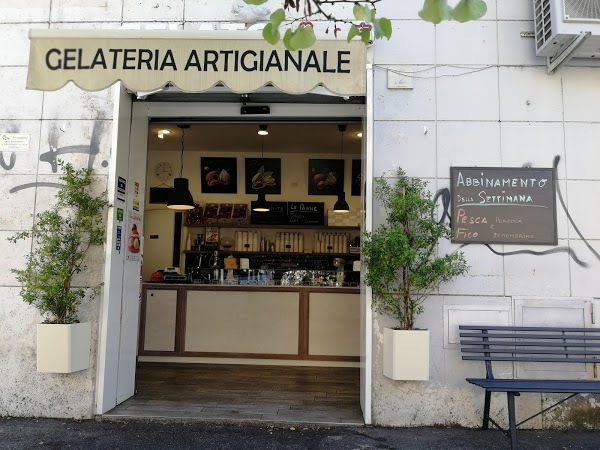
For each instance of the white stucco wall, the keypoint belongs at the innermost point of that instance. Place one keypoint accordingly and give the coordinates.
(486, 100)
(478, 88)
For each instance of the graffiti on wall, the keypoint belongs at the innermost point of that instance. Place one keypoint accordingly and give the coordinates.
(52, 156)
(443, 196)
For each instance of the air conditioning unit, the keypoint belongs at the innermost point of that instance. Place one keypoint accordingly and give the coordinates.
(571, 26)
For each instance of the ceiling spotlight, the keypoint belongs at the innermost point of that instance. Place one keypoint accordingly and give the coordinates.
(263, 130)
(161, 133)
(359, 134)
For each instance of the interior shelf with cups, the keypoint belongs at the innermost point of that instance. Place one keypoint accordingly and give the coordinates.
(318, 248)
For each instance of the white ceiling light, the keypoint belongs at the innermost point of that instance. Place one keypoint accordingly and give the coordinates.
(161, 133)
(359, 134)
(263, 130)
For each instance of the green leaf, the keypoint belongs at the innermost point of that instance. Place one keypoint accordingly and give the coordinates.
(362, 13)
(277, 17)
(271, 34)
(467, 10)
(287, 40)
(386, 27)
(352, 33)
(303, 37)
(255, 2)
(377, 29)
(365, 36)
(435, 11)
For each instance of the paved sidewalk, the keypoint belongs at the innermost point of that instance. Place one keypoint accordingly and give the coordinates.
(58, 434)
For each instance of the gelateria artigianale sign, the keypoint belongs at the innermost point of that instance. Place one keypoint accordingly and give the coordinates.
(146, 60)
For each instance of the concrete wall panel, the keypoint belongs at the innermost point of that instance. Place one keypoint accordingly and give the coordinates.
(88, 11)
(84, 143)
(467, 93)
(466, 43)
(14, 43)
(582, 143)
(517, 50)
(419, 44)
(417, 103)
(17, 102)
(396, 142)
(32, 11)
(21, 163)
(529, 94)
(81, 104)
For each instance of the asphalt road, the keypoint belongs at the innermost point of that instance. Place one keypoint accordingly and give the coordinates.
(58, 434)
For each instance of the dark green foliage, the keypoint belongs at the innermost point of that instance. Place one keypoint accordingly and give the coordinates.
(61, 239)
(401, 259)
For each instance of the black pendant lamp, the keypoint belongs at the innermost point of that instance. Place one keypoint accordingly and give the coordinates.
(341, 206)
(261, 204)
(180, 198)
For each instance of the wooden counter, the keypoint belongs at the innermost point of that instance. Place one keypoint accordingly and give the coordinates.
(250, 322)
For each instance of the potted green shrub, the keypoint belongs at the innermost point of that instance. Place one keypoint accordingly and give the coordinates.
(61, 239)
(403, 268)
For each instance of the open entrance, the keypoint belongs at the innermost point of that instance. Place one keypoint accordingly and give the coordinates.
(269, 327)
(119, 326)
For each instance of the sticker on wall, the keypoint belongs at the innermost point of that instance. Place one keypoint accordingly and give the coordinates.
(121, 188)
(134, 241)
(136, 204)
(120, 215)
(119, 238)
(136, 189)
(14, 142)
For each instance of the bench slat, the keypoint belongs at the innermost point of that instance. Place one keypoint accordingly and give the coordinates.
(579, 337)
(528, 385)
(530, 351)
(529, 359)
(530, 343)
(497, 327)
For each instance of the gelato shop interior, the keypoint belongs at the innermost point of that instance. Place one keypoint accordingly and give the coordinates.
(250, 301)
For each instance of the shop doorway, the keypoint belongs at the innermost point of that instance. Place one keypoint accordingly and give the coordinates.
(134, 137)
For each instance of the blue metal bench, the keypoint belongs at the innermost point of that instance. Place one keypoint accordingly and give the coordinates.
(528, 345)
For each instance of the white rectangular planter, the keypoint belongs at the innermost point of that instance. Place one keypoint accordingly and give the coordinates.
(406, 354)
(63, 348)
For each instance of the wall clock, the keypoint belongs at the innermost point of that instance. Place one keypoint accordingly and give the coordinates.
(163, 171)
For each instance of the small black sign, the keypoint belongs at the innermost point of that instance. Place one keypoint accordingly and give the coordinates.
(306, 213)
(277, 215)
(503, 205)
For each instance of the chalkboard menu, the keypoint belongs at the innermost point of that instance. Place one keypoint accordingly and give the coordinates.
(503, 205)
(277, 214)
(306, 213)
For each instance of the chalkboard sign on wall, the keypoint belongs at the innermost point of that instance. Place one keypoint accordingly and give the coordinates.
(277, 214)
(306, 213)
(503, 205)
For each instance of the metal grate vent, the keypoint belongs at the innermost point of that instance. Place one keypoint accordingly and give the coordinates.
(582, 10)
(543, 22)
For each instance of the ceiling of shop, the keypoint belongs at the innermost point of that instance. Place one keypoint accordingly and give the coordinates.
(241, 137)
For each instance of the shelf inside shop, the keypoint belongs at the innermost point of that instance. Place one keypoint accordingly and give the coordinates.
(283, 227)
(209, 252)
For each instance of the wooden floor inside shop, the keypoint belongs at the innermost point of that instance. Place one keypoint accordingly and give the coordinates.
(251, 393)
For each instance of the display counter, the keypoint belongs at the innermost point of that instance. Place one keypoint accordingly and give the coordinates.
(268, 318)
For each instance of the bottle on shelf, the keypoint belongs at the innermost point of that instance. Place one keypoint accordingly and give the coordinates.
(215, 264)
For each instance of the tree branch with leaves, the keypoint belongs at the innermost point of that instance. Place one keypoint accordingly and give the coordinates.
(400, 256)
(366, 24)
(62, 237)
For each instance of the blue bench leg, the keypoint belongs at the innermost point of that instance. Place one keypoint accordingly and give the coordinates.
(512, 422)
(486, 410)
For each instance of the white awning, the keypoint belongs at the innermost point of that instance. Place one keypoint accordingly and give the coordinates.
(147, 60)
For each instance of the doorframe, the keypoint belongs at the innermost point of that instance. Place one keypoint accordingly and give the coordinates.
(140, 113)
